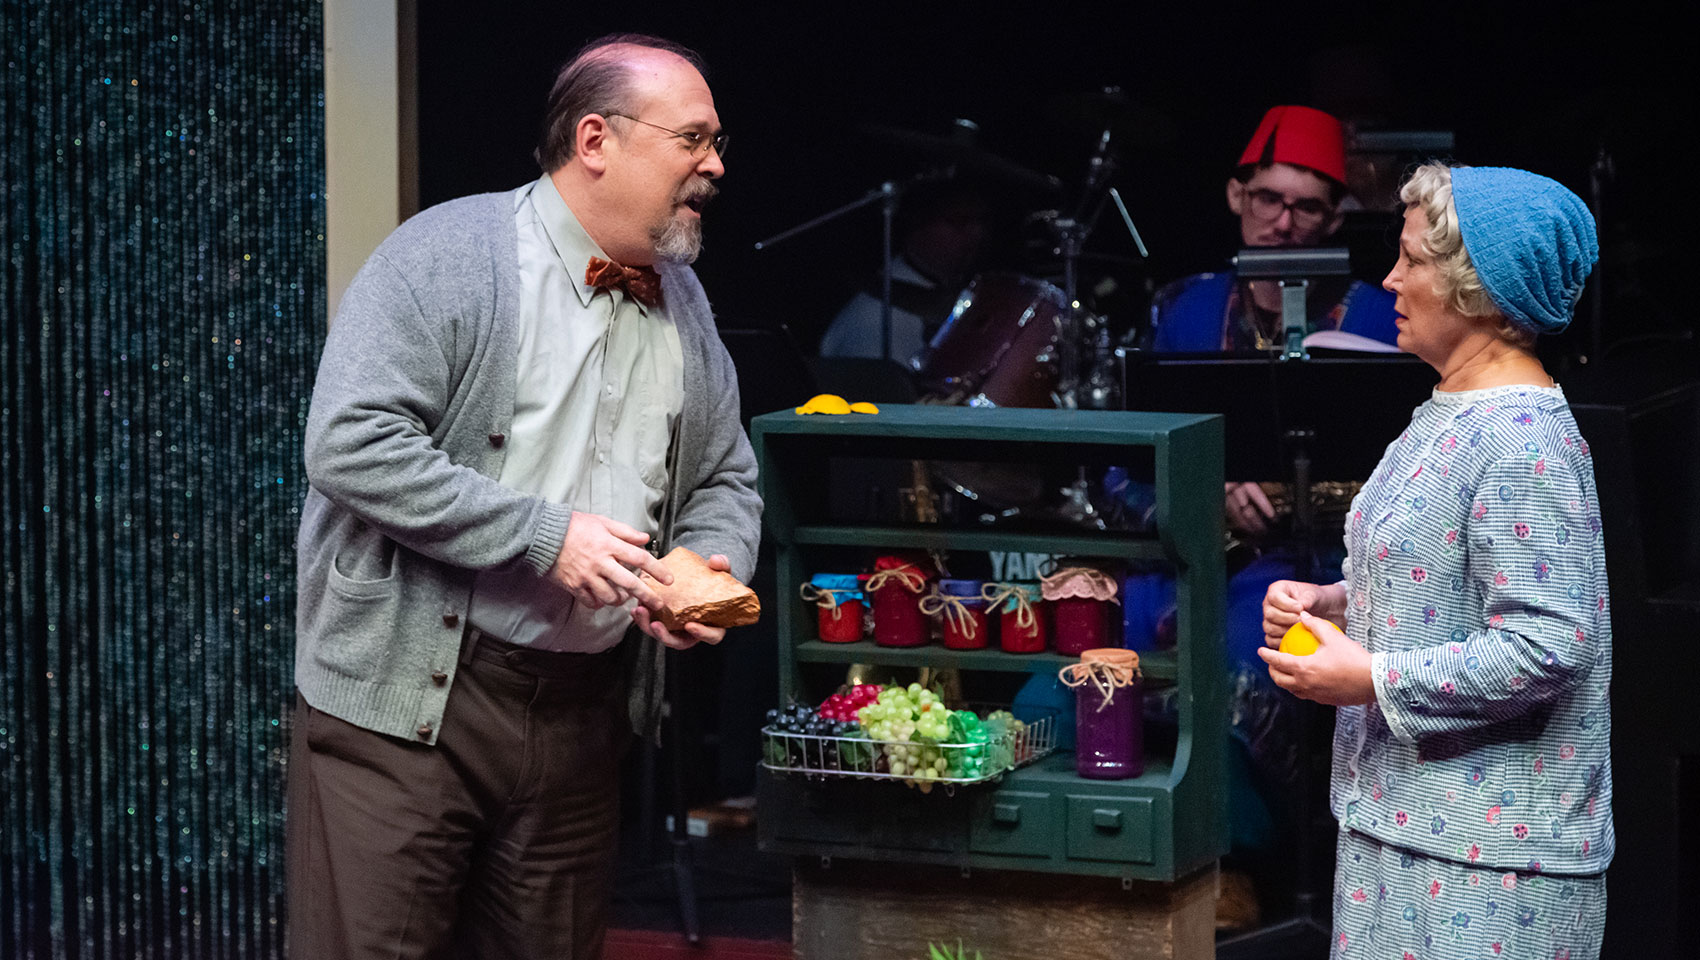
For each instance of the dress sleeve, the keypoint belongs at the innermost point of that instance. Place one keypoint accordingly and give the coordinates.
(1537, 559)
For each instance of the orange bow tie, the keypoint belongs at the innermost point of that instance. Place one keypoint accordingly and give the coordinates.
(642, 284)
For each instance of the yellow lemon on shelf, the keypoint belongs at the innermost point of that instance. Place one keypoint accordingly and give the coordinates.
(1298, 641)
(863, 406)
(825, 403)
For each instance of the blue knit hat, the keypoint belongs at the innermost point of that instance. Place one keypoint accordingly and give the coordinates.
(1530, 239)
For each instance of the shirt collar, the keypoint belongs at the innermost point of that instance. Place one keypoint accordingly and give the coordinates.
(572, 244)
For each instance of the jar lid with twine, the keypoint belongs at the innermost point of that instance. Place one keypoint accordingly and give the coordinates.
(889, 571)
(1012, 597)
(955, 598)
(1087, 583)
(1108, 669)
(828, 590)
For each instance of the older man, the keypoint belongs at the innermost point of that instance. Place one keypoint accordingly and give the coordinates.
(521, 391)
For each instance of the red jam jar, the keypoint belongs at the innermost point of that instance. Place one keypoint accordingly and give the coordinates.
(1023, 625)
(963, 610)
(895, 588)
(1109, 742)
(1080, 599)
(839, 597)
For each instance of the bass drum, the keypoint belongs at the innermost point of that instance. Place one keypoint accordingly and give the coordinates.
(997, 349)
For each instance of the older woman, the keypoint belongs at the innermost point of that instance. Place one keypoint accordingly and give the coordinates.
(1472, 775)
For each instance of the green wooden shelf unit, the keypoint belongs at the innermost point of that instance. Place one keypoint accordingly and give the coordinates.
(1163, 825)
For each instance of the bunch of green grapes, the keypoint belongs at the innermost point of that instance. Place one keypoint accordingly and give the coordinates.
(923, 741)
(968, 761)
(910, 723)
(1005, 734)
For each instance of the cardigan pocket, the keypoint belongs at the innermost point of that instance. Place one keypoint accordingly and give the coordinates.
(361, 562)
(356, 635)
(358, 614)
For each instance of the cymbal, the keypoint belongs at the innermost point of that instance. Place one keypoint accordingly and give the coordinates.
(1131, 123)
(962, 151)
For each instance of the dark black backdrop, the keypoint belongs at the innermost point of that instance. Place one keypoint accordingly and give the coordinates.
(795, 83)
(1539, 86)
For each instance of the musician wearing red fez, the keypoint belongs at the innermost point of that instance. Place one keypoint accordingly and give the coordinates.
(522, 394)
(1286, 192)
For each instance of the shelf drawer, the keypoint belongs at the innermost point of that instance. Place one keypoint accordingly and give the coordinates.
(903, 819)
(1016, 823)
(1116, 829)
(791, 810)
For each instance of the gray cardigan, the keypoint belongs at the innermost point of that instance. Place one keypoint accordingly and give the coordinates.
(414, 397)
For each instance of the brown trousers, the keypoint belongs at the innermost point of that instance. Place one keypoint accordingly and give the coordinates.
(497, 842)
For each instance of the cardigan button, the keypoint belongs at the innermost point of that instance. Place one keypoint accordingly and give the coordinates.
(439, 678)
(451, 619)
(496, 439)
(424, 731)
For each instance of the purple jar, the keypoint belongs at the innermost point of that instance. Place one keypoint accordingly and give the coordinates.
(1109, 741)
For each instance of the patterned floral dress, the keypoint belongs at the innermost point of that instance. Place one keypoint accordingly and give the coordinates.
(1474, 794)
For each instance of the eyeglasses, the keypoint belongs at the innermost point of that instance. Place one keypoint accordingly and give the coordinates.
(699, 143)
(1308, 212)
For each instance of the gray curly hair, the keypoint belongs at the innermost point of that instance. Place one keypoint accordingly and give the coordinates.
(1429, 189)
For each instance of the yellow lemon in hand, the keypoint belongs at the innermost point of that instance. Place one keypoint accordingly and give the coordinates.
(1298, 641)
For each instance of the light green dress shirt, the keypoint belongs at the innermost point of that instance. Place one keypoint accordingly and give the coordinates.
(600, 386)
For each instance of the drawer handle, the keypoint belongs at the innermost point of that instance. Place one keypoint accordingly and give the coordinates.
(1107, 819)
(1009, 813)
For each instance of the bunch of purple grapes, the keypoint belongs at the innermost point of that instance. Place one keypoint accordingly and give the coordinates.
(798, 736)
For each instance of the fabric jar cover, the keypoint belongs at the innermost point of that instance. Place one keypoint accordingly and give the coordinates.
(895, 589)
(1022, 615)
(839, 598)
(1080, 599)
(963, 610)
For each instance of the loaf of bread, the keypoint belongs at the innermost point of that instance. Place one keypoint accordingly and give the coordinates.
(700, 594)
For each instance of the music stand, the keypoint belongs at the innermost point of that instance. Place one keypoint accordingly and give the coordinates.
(1345, 406)
(1323, 416)
(1293, 268)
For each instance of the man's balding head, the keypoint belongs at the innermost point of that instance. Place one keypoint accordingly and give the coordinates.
(604, 77)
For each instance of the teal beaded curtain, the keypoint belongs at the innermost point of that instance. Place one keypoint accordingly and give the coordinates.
(162, 304)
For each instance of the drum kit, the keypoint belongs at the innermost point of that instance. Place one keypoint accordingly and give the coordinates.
(1011, 339)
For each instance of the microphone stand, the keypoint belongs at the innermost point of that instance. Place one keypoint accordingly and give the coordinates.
(886, 195)
(1071, 234)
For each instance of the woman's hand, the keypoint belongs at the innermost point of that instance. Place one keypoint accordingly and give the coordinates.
(1337, 674)
(1286, 599)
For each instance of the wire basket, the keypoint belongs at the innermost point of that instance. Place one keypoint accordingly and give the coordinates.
(909, 761)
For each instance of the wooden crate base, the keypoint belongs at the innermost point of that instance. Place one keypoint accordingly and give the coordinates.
(856, 910)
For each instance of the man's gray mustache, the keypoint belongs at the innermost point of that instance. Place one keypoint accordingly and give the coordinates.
(699, 189)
